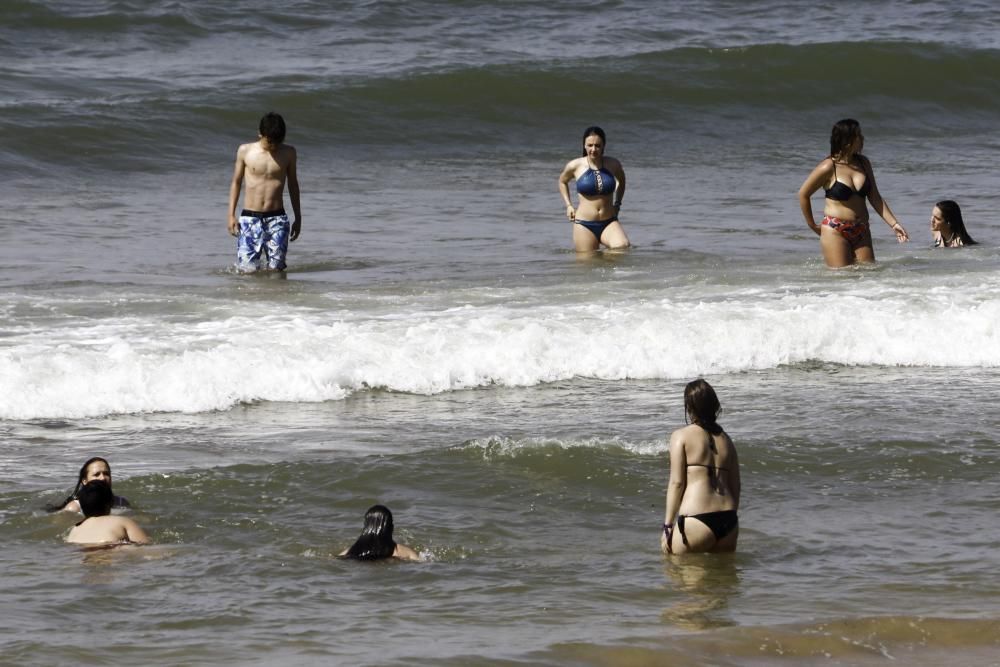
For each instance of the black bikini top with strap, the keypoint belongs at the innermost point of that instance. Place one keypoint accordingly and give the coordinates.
(841, 191)
(712, 469)
(706, 465)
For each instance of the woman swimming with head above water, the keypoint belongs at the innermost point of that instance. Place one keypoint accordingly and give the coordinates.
(94, 469)
(375, 542)
(947, 226)
(849, 182)
(600, 184)
(703, 494)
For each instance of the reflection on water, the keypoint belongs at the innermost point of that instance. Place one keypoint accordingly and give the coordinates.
(109, 563)
(705, 583)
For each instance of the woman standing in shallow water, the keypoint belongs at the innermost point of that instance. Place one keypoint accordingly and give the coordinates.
(849, 183)
(703, 494)
(600, 183)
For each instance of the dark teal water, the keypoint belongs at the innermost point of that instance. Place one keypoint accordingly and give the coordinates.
(436, 347)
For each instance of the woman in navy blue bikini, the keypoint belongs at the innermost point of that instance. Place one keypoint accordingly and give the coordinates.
(703, 494)
(849, 185)
(600, 183)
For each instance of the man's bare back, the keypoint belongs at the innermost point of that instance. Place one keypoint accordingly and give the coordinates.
(108, 529)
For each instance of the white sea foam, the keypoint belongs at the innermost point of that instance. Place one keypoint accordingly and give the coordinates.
(500, 446)
(141, 365)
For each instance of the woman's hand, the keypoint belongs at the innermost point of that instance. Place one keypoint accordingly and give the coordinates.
(901, 234)
(666, 536)
(571, 213)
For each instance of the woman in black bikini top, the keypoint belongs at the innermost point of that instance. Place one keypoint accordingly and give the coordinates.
(848, 183)
(703, 494)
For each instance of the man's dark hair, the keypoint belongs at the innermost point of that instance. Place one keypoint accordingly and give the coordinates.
(272, 126)
(96, 499)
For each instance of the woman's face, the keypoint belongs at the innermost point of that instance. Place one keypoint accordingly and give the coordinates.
(98, 470)
(594, 146)
(938, 223)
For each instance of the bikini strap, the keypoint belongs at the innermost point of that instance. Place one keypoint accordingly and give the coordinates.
(706, 465)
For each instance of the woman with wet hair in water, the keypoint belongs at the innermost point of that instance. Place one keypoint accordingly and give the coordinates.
(375, 542)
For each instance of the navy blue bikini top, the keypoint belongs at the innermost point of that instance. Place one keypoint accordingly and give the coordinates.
(842, 191)
(596, 183)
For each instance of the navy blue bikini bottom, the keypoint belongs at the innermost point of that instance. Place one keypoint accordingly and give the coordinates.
(596, 227)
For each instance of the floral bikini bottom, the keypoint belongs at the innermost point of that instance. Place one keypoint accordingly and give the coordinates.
(852, 230)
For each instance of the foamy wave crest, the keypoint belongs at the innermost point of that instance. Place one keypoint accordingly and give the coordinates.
(503, 447)
(316, 356)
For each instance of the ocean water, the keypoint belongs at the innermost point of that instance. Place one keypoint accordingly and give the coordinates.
(436, 345)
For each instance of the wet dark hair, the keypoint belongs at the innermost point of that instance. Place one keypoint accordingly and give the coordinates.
(593, 130)
(272, 126)
(843, 133)
(952, 214)
(702, 406)
(376, 537)
(79, 484)
(96, 499)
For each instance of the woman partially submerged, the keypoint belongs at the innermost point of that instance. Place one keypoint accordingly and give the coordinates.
(703, 494)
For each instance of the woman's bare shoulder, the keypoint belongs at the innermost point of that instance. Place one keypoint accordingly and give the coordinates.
(826, 165)
(404, 552)
(685, 434)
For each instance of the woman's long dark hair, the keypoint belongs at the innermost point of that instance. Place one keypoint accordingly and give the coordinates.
(702, 406)
(376, 537)
(952, 214)
(593, 129)
(844, 132)
(79, 484)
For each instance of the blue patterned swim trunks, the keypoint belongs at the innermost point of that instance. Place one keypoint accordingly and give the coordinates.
(263, 238)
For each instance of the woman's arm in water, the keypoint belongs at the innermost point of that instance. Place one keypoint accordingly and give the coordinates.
(880, 205)
(735, 485)
(676, 485)
(678, 477)
(813, 182)
(567, 175)
(619, 173)
(404, 552)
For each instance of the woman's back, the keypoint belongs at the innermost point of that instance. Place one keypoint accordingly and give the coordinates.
(711, 470)
(703, 493)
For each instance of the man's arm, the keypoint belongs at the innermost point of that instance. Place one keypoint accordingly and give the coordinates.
(134, 531)
(293, 193)
(235, 187)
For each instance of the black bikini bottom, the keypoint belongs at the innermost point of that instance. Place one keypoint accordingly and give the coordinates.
(720, 523)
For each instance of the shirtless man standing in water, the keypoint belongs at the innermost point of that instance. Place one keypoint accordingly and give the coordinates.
(262, 231)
